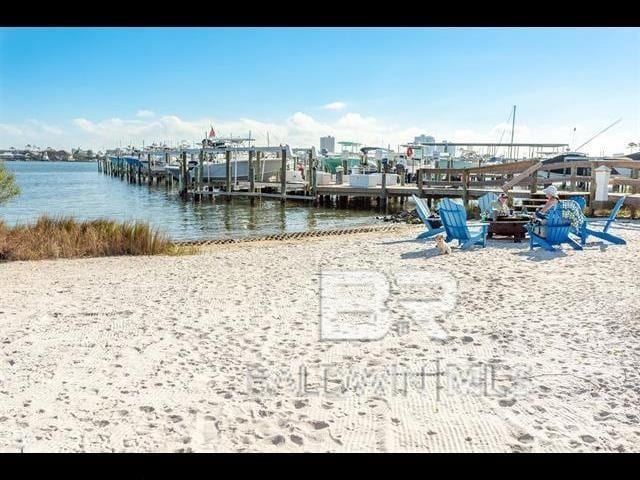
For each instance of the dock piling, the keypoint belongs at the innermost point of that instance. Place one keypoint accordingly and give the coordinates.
(149, 170)
(201, 174)
(313, 178)
(283, 176)
(383, 198)
(228, 174)
(252, 179)
(185, 176)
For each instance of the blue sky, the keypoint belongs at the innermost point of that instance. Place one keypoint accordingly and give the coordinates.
(95, 87)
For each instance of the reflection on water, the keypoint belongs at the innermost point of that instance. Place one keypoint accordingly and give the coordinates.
(78, 190)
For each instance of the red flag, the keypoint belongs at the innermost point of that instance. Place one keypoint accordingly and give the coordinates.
(212, 133)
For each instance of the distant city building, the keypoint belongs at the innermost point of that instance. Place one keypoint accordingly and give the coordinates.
(328, 143)
(424, 139)
(428, 151)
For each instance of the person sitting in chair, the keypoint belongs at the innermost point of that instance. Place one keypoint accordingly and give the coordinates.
(500, 205)
(551, 193)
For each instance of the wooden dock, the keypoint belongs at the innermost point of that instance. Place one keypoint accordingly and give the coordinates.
(520, 179)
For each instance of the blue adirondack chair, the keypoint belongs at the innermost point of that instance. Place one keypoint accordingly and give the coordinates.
(585, 231)
(485, 201)
(556, 231)
(579, 200)
(423, 212)
(454, 219)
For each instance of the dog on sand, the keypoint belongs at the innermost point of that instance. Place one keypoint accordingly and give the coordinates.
(442, 245)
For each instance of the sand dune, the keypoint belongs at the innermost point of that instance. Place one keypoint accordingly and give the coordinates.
(221, 351)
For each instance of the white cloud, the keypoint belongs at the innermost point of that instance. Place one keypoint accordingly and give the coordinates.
(40, 126)
(84, 124)
(145, 114)
(32, 132)
(355, 120)
(302, 120)
(299, 130)
(10, 130)
(335, 106)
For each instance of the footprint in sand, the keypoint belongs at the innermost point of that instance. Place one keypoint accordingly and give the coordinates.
(526, 438)
(587, 438)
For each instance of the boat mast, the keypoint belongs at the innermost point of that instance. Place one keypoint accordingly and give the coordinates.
(513, 124)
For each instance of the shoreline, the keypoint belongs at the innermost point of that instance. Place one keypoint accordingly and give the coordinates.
(284, 236)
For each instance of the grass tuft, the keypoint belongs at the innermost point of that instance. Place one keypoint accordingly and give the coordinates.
(64, 237)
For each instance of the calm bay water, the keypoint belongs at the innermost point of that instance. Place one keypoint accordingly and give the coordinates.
(78, 190)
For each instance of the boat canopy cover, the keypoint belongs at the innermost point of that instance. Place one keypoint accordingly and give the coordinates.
(366, 150)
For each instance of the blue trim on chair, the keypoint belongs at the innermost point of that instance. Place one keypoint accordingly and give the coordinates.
(454, 219)
(423, 212)
(557, 230)
(584, 232)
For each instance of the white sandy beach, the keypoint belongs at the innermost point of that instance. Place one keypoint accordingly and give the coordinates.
(204, 353)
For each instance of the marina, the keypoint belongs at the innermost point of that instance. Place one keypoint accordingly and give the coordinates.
(229, 171)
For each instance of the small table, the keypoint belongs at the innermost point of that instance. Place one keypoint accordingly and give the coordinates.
(509, 227)
(435, 222)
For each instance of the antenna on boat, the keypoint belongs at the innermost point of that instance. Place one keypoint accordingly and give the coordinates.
(599, 133)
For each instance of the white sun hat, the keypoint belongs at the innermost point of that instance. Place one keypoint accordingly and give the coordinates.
(551, 190)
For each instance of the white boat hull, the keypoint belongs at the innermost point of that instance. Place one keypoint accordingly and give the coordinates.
(269, 169)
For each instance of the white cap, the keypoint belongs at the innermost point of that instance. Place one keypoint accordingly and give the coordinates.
(551, 190)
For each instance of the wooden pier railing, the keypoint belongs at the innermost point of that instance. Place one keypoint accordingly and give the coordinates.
(577, 176)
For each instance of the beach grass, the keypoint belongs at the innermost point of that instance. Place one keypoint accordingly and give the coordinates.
(626, 211)
(51, 238)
